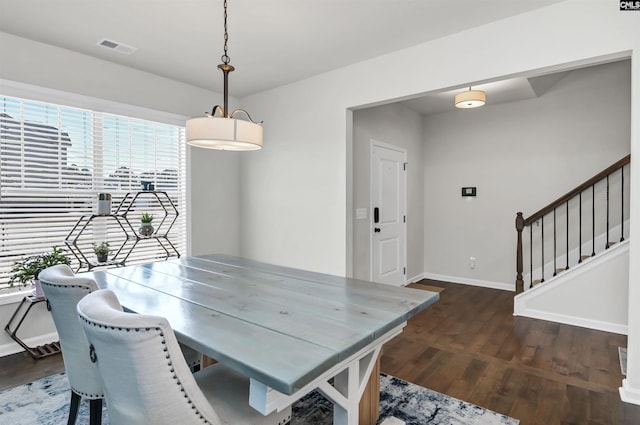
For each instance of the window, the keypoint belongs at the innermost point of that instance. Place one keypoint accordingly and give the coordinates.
(54, 160)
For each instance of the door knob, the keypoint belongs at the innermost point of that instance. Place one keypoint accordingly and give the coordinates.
(376, 230)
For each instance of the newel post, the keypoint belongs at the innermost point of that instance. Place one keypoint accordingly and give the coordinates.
(519, 227)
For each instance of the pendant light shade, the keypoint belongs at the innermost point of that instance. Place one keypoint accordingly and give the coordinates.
(470, 99)
(225, 132)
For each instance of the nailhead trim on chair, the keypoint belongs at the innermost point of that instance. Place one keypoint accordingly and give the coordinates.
(49, 307)
(168, 357)
(60, 285)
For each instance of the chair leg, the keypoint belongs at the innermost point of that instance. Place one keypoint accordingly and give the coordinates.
(95, 411)
(73, 408)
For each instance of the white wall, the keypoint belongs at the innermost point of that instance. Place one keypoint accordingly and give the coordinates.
(294, 193)
(521, 156)
(305, 122)
(400, 126)
(594, 295)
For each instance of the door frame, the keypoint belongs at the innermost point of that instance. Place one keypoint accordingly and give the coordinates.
(373, 144)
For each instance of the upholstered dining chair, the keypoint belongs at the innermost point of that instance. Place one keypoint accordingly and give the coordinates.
(146, 379)
(63, 289)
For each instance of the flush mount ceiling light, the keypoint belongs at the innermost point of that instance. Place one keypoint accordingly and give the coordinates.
(470, 99)
(225, 132)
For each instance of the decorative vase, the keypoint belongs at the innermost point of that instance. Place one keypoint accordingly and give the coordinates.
(104, 204)
(146, 229)
(37, 292)
(102, 258)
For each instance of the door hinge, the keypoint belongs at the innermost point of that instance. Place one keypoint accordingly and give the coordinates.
(404, 218)
(405, 166)
(404, 270)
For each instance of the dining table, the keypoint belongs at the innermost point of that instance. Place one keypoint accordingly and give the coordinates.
(291, 331)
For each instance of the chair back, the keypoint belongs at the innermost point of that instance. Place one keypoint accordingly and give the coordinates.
(63, 289)
(146, 379)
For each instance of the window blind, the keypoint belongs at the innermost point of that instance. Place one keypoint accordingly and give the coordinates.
(55, 159)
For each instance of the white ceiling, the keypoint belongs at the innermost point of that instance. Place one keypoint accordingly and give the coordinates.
(497, 92)
(271, 43)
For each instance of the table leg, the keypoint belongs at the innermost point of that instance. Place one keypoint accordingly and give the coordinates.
(207, 361)
(370, 401)
(350, 379)
(347, 383)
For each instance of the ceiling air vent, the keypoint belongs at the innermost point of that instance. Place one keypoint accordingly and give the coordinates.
(118, 47)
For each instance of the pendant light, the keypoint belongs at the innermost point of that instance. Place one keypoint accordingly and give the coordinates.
(470, 99)
(225, 132)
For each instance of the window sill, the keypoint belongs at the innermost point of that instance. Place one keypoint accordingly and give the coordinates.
(13, 296)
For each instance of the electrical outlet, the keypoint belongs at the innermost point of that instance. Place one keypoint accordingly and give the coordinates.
(472, 262)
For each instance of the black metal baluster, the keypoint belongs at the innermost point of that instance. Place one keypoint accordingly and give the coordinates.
(580, 231)
(555, 256)
(567, 268)
(622, 204)
(593, 220)
(531, 256)
(542, 239)
(607, 241)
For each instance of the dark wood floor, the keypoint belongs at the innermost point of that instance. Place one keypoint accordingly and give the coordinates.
(469, 346)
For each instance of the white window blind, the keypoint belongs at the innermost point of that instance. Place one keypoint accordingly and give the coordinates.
(54, 160)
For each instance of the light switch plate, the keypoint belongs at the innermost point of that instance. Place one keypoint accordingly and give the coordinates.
(361, 213)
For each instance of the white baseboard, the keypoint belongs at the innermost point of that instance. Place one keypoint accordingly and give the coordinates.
(629, 394)
(615, 328)
(13, 347)
(416, 278)
(473, 282)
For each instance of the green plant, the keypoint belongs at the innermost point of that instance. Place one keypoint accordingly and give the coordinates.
(102, 249)
(146, 218)
(28, 269)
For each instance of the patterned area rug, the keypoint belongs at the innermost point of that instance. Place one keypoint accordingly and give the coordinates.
(46, 402)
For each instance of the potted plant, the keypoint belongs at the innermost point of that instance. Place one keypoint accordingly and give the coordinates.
(146, 229)
(102, 251)
(27, 270)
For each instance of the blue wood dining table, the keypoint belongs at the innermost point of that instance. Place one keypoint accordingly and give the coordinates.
(291, 331)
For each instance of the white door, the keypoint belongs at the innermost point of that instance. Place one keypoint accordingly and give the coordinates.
(388, 214)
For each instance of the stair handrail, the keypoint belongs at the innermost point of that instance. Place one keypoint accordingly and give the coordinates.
(522, 222)
(569, 195)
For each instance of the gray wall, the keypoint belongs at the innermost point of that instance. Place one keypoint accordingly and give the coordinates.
(399, 126)
(521, 156)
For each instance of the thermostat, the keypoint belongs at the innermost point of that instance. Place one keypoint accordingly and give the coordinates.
(468, 191)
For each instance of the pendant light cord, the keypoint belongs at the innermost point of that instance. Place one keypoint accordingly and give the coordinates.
(225, 58)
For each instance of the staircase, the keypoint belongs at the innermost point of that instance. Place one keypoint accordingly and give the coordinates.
(587, 220)
(572, 255)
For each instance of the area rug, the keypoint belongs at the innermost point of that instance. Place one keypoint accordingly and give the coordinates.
(46, 402)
